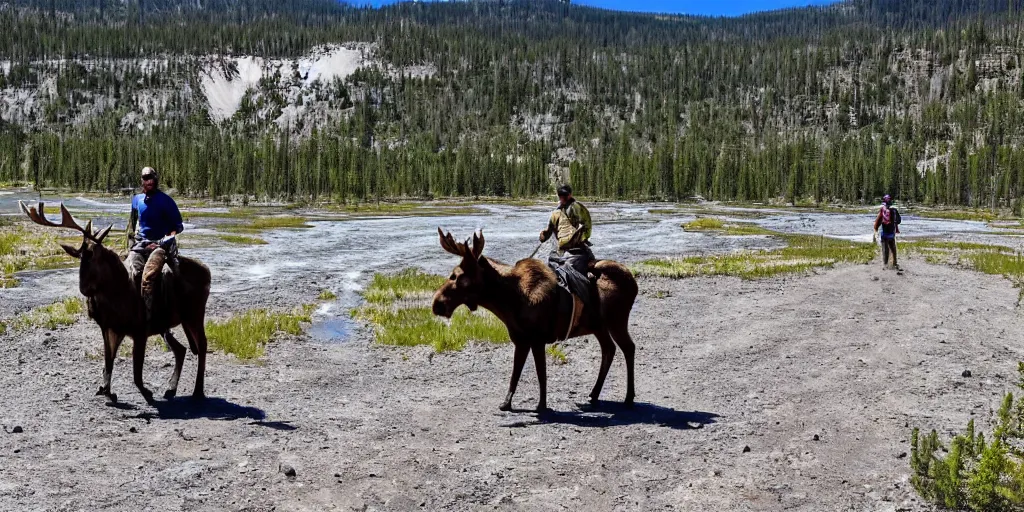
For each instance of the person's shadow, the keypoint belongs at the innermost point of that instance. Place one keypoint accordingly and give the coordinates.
(213, 408)
(610, 414)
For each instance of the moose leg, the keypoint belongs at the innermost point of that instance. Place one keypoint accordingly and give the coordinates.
(607, 355)
(625, 342)
(541, 362)
(111, 342)
(179, 360)
(138, 360)
(519, 359)
(196, 334)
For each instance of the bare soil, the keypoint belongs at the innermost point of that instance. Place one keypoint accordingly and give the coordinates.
(795, 393)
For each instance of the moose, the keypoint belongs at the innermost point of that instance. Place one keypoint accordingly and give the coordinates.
(528, 300)
(116, 305)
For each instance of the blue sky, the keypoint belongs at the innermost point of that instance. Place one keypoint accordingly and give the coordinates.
(704, 7)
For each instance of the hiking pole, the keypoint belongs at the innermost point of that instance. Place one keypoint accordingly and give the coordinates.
(534, 253)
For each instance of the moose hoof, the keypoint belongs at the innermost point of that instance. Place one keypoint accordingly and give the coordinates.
(103, 391)
(543, 409)
(198, 397)
(629, 402)
(147, 394)
(507, 406)
(170, 394)
(111, 398)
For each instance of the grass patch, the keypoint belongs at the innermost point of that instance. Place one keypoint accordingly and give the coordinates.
(246, 335)
(713, 225)
(267, 223)
(803, 253)
(412, 326)
(23, 248)
(398, 307)
(704, 224)
(243, 240)
(327, 295)
(975, 215)
(556, 354)
(386, 289)
(990, 259)
(60, 313)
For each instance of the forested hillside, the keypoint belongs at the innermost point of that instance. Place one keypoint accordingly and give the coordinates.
(311, 99)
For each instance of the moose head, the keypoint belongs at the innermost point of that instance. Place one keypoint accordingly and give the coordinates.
(466, 282)
(98, 264)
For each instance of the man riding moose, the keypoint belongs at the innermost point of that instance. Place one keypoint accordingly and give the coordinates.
(159, 223)
(571, 225)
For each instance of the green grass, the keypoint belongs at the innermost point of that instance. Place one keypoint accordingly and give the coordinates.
(246, 335)
(60, 313)
(411, 326)
(24, 248)
(713, 225)
(704, 224)
(327, 295)
(385, 289)
(557, 354)
(976, 215)
(243, 240)
(398, 308)
(267, 223)
(803, 253)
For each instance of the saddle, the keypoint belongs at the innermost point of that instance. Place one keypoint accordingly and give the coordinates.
(574, 295)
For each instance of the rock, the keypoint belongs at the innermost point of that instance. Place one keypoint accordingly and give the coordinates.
(902, 455)
(874, 278)
(816, 438)
(17, 429)
(746, 449)
(288, 470)
(966, 373)
(133, 430)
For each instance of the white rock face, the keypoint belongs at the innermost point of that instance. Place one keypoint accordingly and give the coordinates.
(225, 81)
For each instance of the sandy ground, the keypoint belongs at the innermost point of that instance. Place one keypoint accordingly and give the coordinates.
(855, 356)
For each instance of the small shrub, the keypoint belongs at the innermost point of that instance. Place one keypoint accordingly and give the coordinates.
(974, 475)
(557, 354)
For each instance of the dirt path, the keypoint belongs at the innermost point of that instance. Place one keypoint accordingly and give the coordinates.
(723, 365)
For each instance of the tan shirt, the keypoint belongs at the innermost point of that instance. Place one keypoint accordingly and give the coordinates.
(565, 221)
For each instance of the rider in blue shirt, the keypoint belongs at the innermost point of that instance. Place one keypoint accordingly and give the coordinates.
(158, 224)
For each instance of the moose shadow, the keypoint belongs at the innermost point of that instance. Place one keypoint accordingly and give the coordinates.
(611, 414)
(184, 408)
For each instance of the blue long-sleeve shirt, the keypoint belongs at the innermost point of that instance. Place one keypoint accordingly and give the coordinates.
(158, 215)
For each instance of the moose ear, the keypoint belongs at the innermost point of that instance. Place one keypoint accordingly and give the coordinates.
(74, 253)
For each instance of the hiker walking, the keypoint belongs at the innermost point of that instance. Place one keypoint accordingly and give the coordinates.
(889, 220)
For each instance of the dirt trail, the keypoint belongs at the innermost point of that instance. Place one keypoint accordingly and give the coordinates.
(722, 365)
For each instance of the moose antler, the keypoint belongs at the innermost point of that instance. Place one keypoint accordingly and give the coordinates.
(463, 249)
(38, 215)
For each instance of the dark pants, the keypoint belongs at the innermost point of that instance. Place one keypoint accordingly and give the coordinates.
(889, 247)
(571, 269)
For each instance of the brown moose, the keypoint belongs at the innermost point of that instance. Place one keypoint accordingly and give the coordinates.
(527, 299)
(116, 305)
